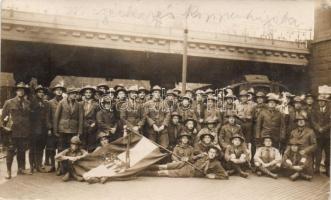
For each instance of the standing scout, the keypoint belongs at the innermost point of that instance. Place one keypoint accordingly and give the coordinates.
(52, 139)
(270, 122)
(16, 112)
(320, 119)
(245, 115)
(131, 112)
(267, 159)
(90, 109)
(39, 112)
(68, 120)
(157, 118)
(199, 107)
(185, 108)
(306, 137)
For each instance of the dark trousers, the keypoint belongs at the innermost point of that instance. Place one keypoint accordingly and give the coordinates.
(161, 138)
(37, 146)
(16, 146)
(64, 141)
(323, 144)
(51, 146)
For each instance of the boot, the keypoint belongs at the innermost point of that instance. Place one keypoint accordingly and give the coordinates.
(149, 173)
(306, 176)
(294, 176)
(66, 177)
(8, 176)
(239, 171)
(78, 178)
(267, 172)
(92, 180)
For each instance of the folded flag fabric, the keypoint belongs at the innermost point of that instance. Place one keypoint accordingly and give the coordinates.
(110, 161)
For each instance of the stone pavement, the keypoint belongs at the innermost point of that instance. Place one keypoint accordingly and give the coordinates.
(50, 187)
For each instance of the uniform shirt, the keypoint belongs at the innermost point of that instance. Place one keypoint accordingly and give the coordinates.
(237, 151)
(181, 151)
(69, 152)
(132, 114)
(267, 154)
(156, 112)
(245, 111)
(295, 157)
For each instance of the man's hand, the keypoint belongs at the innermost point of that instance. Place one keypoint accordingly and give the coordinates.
(112, 130)
(302, 152)
(200, 120)
(49, 132)
(289, 162)
(211, 176)
(161, 128)
(136, 128)
(93, 124)
(320, 130)
(155, 128)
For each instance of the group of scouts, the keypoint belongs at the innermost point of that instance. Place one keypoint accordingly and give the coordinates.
(211, 134)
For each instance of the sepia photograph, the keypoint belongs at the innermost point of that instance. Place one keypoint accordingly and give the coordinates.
(165, 99)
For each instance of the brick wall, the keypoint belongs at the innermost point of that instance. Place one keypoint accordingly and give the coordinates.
(320, 62)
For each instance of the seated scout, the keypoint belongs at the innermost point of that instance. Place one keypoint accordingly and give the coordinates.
(294, 163)
(206, 166)
(103, 139)
(237, 156)
(267, 159)
(183, 151)
(69, 156)
(206, 141)
(228, 130)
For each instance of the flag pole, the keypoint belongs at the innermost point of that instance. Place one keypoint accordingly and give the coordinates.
(184, 64)
(127, 152)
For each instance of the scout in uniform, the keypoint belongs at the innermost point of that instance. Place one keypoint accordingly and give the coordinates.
(190, 125)
(131, 112)
(229, 106)
(270, 122)
(228, 130)
(207, 166)
(245, 114)
(320, 119)
(171, 100)
(189, 93)
(157, 117)
(90, 109)
(174, 129)
(211, 111)
(120, 97)
(199, 106)
(237, 156)
(267, 159)
(306, 138)
(68, 119)
(103, 87)
(39, 111)
(294, 163)
(107, 120)
(296, 110)
(52, 139)
(185, 108)
(212, 127)
(177, 91)
(183, 151)
(206, 141)
(142, 93)
(98, 94)
(209, 93)
(17, 112)
(69, 156)
(309, 106)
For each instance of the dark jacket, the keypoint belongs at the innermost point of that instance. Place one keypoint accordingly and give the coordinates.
(90, 114)
(67, 119)
(156, 113)
(321, 120)
(39, 116)
(306, 138)
(132, 114)
(107, 120)
(19, 114)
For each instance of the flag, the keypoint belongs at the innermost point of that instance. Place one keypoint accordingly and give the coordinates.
(110, 161)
